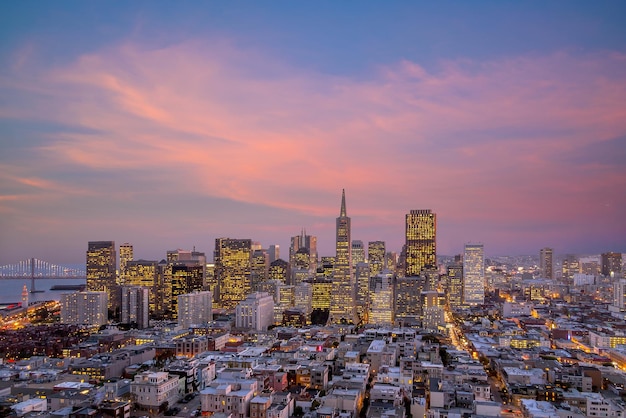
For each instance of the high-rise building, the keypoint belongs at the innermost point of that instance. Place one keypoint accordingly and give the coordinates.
(232, 271)
(274, 251)
(433, 310)
(421, 248)
(259, 268)
(376, 256)
(358, 252)
(145, 273)
(381, 312)
(284, 299)
(255, 312)
(195, 308)
(619, 296)
(474, 274)
(126, 255)
(303, 241)
(102, 272)
(135, 309)
(180, 278)
(407, 293)
(611, 264)
(454, 285)
(546, 265)
(570, 266)
(362, 278)
(303, 295)
(84, 308)
(342, 307)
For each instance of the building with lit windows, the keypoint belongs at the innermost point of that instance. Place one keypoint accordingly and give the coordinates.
(407, 292)
(256, 312)
(259, 268)
(126, 255)
(376, 256)
(135, 309)
(321, 289)
(474, 274)
(342, 306)
(195, 308)
(284, 299)
(546, 264)
(611, 264)
(84, 308)
(570, 266)
(145, 273)
(101, 269)
(381, 305)
(420, 245)
(358, 252)
(232, 270)
(433, 310)
(303, 300)
(454, 285)
(362, 276)
(298, 244)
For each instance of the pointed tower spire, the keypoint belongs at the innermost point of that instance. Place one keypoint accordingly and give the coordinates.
(343, 203)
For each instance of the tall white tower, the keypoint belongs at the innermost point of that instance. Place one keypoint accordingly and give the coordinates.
(474, 274)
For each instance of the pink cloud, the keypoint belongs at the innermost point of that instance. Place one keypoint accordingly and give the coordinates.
(226, 122)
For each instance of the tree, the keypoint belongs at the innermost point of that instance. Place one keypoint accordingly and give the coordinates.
(298, 411)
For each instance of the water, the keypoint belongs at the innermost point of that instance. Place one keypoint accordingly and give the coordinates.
(11, 289)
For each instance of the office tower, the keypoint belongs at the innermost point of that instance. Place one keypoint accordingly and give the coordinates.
(145, 273)
(179, 278)
(126, 255)
(255, 312)
(304, 241)
(433, 310)
(274, 251)
(362, 277)
(284, 299)
(303, 297)
(321, 290)
(301, 267)
(546, 265)
(232, 271)
(84, 308)
(135, 310)
(407, 293)
(342, 309)
(279, 270)
(376, 256)
(195, 308)
(326, 267)
(611, 264)
(590, 265)
(381, 310)
(474, 274)
(571, 266)
(454, 285)
(420, 247)
(391, 261)
(259, 268)
(358, 252)
(102, 271)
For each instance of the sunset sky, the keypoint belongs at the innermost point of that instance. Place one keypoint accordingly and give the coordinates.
(168, 124)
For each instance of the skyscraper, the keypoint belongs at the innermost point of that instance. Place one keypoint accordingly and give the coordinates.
(102, 270)
(126, 255)
(611, 264)
(454, 285)
(298, 245)
(474, 274)
(358, 252)
(232, 271)
(421, 248)
(145, 273)
(342, 308)
(546, 265)
(376, 256)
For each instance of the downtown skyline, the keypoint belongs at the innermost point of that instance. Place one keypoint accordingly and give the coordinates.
(168, 125)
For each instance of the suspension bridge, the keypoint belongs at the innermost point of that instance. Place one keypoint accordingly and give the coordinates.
(34, 268)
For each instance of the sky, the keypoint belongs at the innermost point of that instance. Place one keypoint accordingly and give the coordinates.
(168, 124)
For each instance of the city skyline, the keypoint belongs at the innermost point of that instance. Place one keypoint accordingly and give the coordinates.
(171, 125)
